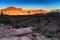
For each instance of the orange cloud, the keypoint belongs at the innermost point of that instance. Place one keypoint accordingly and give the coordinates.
(18, 11)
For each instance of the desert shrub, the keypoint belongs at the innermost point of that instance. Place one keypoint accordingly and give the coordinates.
(51, 35)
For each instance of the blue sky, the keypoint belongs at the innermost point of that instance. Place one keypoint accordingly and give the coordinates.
(31, 4)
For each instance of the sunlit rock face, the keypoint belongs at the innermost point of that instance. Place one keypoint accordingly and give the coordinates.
(0, 11)
(37, 11)
(12, 11)
(18, 11)
(25, 12)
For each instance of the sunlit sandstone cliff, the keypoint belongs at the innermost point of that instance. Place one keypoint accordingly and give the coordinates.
(18, 11)
(37, 11)
(12, 11)
(0, 11)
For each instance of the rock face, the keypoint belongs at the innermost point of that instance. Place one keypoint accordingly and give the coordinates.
(16, 38)
(23, 30)
(12, 11)
(25, 38)
(12, 32)
(10, 38)
(19, 11)
(37, 11)
(0, 11)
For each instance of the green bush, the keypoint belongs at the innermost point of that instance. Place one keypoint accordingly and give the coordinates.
(50, 35)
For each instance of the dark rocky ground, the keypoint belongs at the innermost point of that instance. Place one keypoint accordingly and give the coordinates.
(45, 24)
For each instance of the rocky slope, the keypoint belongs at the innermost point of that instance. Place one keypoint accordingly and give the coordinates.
(43, 24)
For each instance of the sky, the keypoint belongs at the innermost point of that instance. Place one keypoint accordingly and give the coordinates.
(31, 4)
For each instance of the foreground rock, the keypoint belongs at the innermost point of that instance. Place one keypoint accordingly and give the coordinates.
(9, 38)
(13, 32)
(23, 30)
(16, 38)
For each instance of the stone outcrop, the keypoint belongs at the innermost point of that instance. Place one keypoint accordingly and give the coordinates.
(19, 11)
